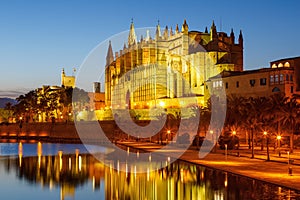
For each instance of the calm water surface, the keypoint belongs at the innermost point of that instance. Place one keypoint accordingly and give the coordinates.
(67, 171)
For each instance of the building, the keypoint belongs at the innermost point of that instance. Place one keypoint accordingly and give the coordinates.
(281, 77)
(67, 81)
(97, 98)
(169, 70)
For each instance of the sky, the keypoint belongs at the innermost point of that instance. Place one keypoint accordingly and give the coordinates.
(39, 38)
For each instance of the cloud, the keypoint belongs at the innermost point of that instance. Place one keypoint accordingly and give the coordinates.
(13, 93)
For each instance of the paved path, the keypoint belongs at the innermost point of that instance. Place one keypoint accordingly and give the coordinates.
(275, 171)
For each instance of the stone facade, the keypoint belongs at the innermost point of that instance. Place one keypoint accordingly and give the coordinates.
(167, 70)
(281, 77)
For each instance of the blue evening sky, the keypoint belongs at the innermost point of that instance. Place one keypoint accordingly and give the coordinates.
(39, 38)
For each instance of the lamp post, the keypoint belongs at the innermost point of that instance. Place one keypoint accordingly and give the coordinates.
(267, 140)
(168, 133)
(234, 135)
(278, 138)
(212, 135)
(226, 152)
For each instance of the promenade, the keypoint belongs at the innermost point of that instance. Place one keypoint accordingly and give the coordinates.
(275, 171)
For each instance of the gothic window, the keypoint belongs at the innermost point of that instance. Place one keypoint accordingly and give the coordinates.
(280, 65)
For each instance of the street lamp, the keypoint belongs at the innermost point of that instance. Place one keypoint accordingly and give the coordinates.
(168, 133)
(267, 138)
(278, 138)
(212, 135)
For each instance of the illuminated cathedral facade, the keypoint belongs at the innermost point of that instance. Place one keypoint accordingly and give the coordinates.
(170, 69)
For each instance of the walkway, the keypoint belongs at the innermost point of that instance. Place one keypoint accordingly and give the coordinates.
(275, 171)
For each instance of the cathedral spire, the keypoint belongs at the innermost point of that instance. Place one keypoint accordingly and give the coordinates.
(185, 27)
(171, 32)
(213, 31)
(110, 55)
(206, 31)
(166, 33)
(131, 36)
(177, 29)
(241, 38)
(158, 32)
(232, 38)
(147, 36)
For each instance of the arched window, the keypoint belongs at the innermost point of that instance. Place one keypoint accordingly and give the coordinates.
(276, 89)
(286, 64)
(274, 66)
(280, 65)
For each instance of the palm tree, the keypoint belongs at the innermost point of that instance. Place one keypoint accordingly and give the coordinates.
(234, 114)
(290, 117)
(256, 109)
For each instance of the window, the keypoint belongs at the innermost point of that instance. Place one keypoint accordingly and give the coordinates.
(276, 78)
(237, 84)
(287, 77)
(281, 78)
(252, 82)
(291, 77)
(271, 79)
(263, 81)
(292, 89)
(287, 64)
(226, 85)
(276, 89)
(280, 65)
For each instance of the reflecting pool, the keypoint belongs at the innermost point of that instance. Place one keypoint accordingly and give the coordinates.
(67, 171)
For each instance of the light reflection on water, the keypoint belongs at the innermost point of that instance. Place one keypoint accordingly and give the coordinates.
(66, 171)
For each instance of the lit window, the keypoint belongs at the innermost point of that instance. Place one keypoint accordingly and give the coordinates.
(280, 65)
(274, 66)
(286, 64)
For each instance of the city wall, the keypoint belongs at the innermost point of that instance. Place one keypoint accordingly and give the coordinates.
(52, 131)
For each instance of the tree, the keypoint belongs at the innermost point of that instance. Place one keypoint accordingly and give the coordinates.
(290, 117)
(256, 109)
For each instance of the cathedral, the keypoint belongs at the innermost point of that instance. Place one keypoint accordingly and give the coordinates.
(170, 69)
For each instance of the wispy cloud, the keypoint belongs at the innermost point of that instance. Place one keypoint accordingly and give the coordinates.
(13, 93)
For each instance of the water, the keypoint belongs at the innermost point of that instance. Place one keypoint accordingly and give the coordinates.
(67, 171)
